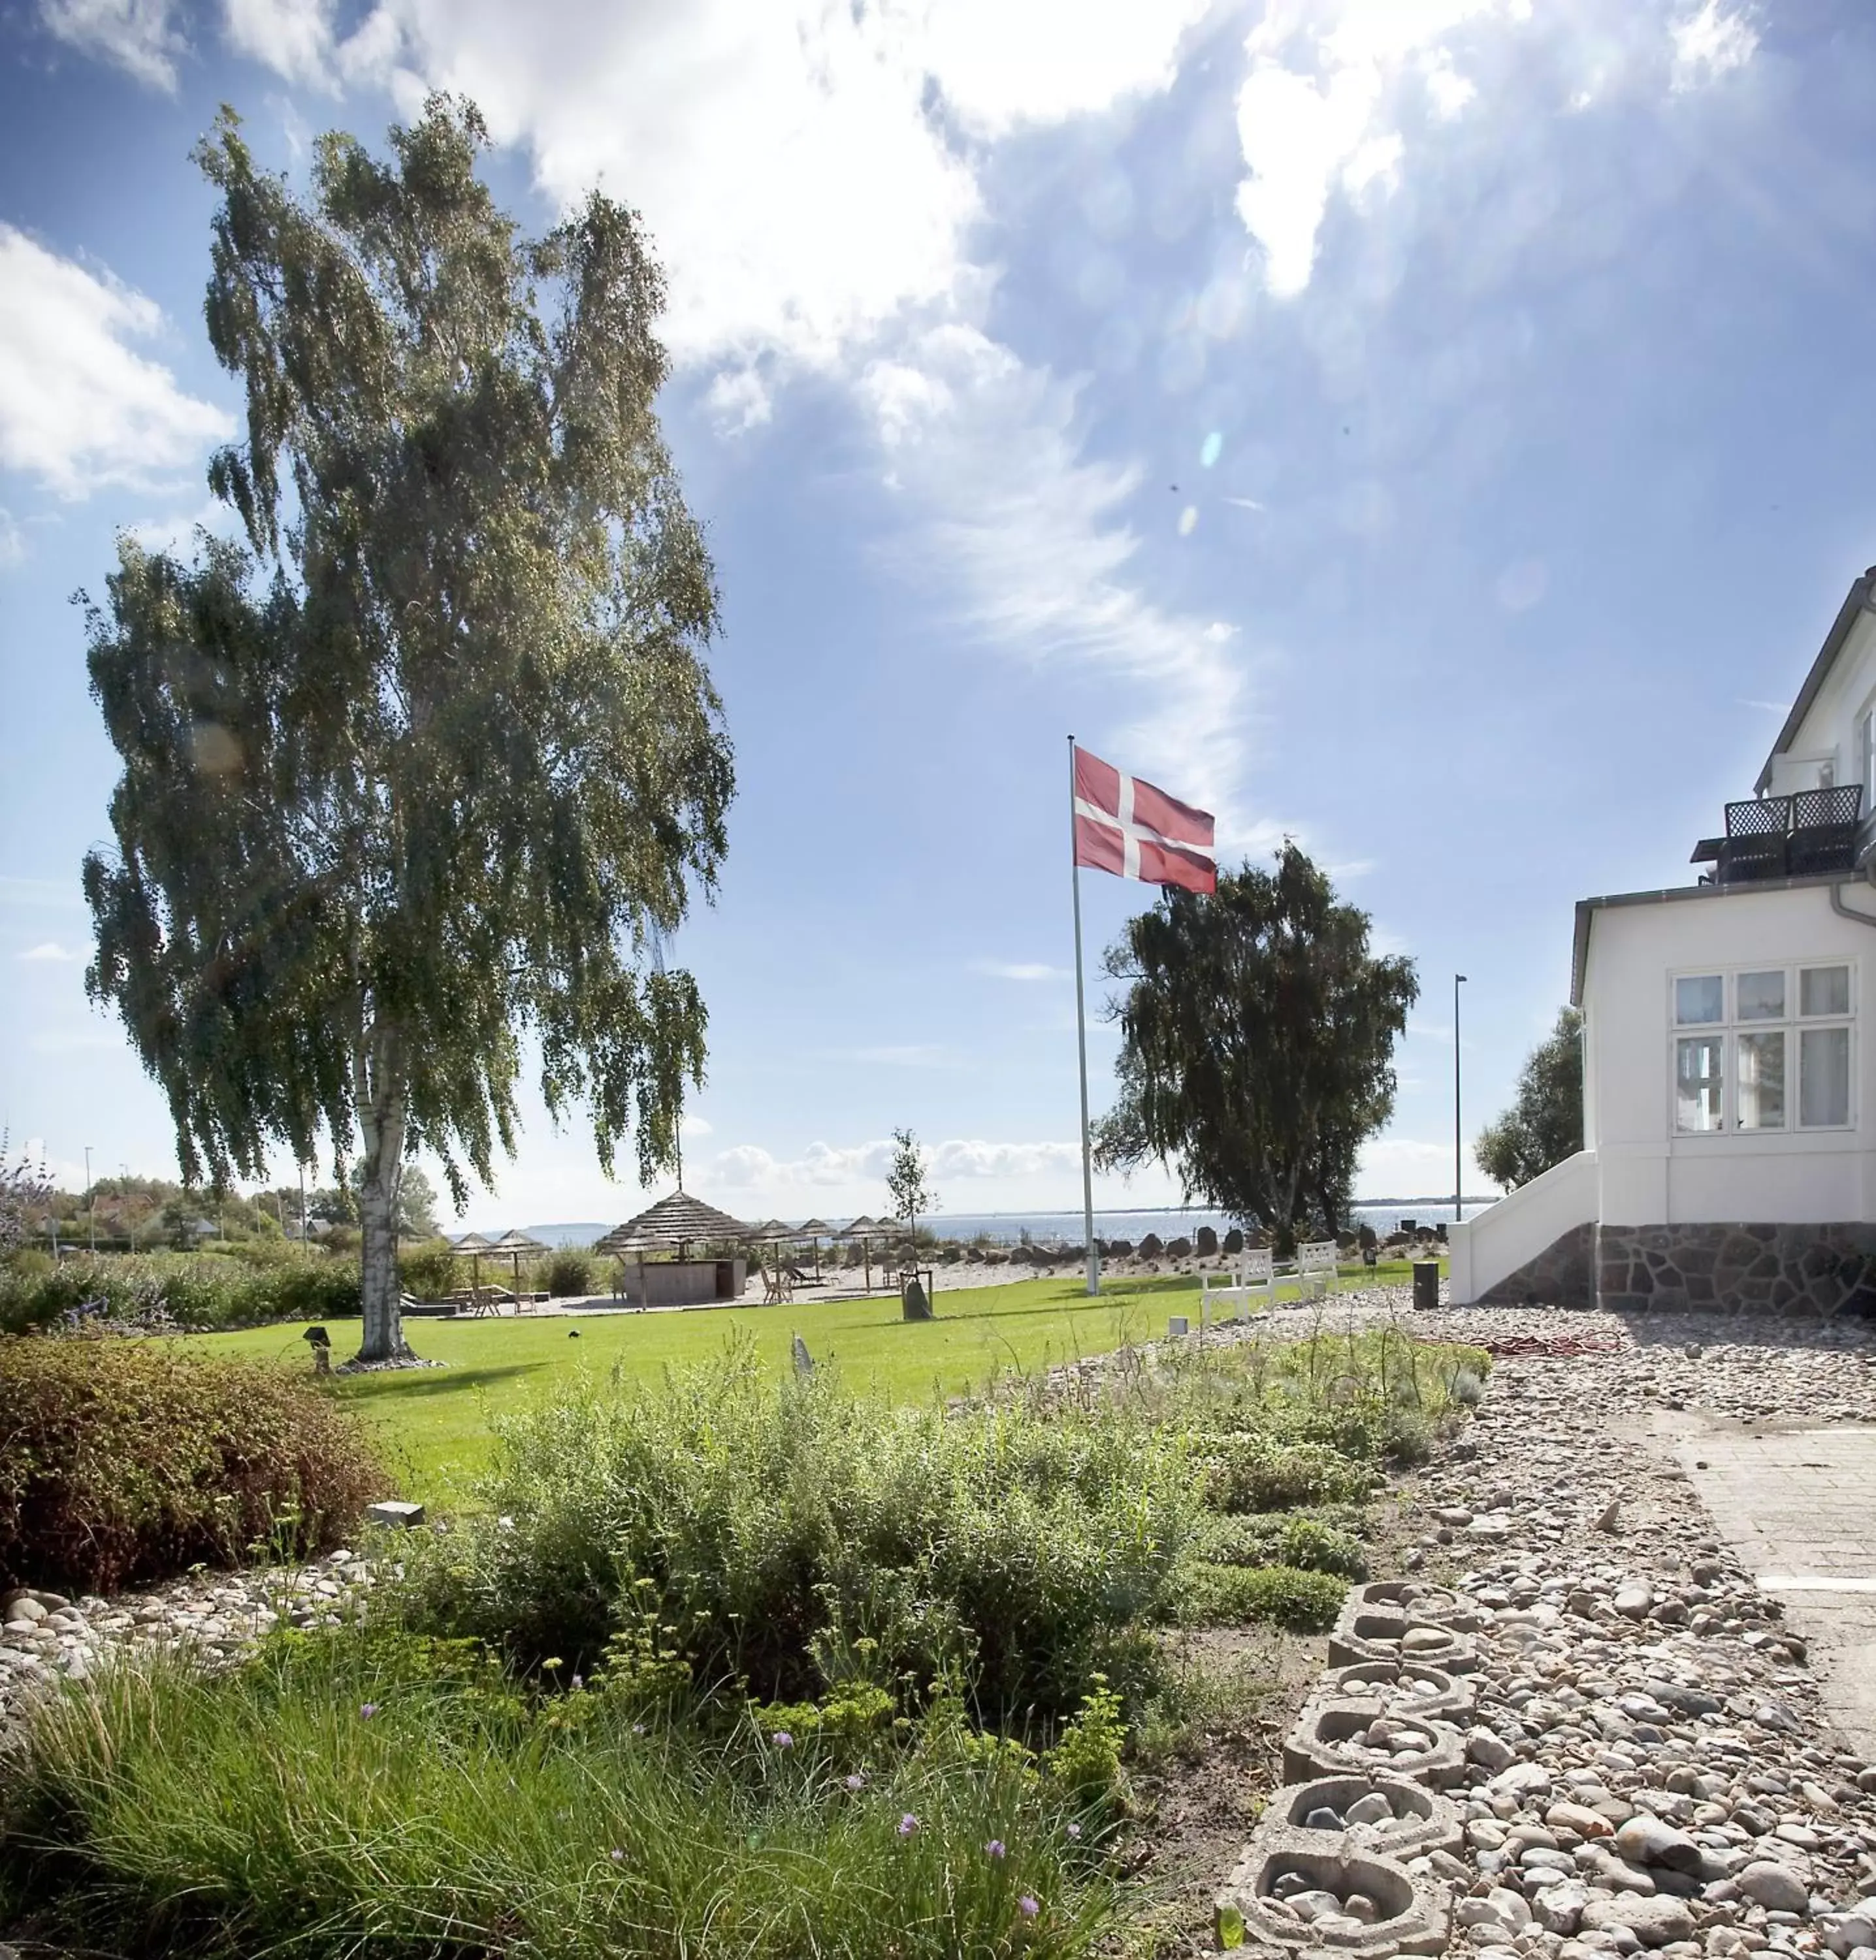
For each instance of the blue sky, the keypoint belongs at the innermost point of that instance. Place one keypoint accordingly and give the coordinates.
(1438, 430)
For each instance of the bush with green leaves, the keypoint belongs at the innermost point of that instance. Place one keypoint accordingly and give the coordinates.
(795, 1536)
(568, 1275)
(197, 1292)
(127, 1462)
(353, 1793)
(1247, 1472)
(1302, 1602)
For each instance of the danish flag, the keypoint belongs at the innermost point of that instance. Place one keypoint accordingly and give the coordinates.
(1125, 826)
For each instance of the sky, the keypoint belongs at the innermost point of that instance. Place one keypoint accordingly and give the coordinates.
(1437, 430)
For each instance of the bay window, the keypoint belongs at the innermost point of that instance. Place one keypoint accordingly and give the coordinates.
(1743, 1040)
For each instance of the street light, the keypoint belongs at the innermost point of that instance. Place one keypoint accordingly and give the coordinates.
(90, 1201)
(1458, 1174)
(130, 1211)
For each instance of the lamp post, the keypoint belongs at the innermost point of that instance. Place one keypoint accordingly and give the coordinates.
(130, 1212)
(1458, 1173)
(90, 1202)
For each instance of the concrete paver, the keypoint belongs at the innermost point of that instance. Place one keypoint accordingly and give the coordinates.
(1798, 1506)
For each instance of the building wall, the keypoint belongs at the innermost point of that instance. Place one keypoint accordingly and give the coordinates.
(1827, 735)
(1648, 1175)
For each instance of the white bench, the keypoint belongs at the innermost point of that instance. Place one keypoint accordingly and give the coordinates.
(1230, 1289)
(1316, 1266)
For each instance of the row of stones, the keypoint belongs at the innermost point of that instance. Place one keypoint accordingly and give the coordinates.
(1341, 1860)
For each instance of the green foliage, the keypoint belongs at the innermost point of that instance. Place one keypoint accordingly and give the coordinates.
(778, 1526)
(196, 1292)
(1084, 1762)
(1327, 1541)
(343, 1795)
(127, 1462)
(431, 1271)
(908, 1181)
(419, 769)
(1258, 1033)
(1249, 1472)
(1303, 1602)
(25, 1191)
(568, 1275)
(1545, 1124)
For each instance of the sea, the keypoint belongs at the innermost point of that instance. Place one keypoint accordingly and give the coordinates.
(1386, 1215)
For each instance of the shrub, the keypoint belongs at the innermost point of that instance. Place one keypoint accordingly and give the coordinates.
(1249, 1472)
(1304, 1602)
(430, 1271)
(346, 1795)
(196, 1292)
(779, 1528)
(127, 1462)
(568, 1275)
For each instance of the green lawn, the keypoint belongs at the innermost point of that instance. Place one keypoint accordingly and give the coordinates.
(435, 1422)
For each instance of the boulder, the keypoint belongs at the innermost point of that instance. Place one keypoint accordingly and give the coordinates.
(1657, 1921)
(1179, 1249)
(1152, 1246)
(913, 1304)
(1233, 1243)
(1206, 1242)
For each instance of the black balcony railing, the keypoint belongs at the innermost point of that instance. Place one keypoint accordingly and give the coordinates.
(1806, 835)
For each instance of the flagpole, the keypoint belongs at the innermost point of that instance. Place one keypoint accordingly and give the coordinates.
(1081, 1045)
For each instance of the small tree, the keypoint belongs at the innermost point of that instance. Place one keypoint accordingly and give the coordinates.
(26, 1190)
(1545, 1124)
(908, 1183)
(1258, 1033)
(430, 761)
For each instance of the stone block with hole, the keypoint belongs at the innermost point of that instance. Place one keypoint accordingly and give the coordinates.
(1404, 1687)
(1292, 1894)
(1337, 1738)
(1389, 1816)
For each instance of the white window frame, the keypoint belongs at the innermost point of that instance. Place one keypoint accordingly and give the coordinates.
(1731, 1025)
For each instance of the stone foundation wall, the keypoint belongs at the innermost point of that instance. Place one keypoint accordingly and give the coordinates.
(1803, 1271)
(1562, 1274)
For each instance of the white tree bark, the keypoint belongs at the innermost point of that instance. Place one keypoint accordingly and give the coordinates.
(380, 1100)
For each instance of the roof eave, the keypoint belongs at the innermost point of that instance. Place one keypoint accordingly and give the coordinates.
(1856, 601)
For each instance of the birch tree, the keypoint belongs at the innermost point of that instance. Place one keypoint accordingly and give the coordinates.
(417, 768)
(1257, 1028)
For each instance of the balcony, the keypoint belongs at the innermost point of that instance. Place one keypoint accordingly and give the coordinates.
(1810, 834)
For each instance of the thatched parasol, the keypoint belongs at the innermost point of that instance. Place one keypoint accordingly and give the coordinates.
(674, 1224)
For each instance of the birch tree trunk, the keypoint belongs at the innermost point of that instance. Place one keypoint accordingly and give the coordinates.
(381, 1121)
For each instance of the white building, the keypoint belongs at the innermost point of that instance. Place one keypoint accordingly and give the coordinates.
(1728, 1089)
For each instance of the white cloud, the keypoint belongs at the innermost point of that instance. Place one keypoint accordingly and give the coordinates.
(78, 408)
(292, 37)
(1028, 538)
(50, 951)
(1712, 43)
(12, 540)
(138, 35)
(1019, 969)
(1314, 110)
(825, 1166)
(739, 400)
(792, 157)
(694, 1126)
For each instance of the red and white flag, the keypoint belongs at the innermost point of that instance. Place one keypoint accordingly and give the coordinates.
(1124, 825)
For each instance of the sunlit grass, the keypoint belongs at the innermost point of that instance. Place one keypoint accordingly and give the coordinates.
(435, 1422)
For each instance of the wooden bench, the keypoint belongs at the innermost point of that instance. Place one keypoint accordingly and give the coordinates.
(1317, 1265)
(1229, 1292)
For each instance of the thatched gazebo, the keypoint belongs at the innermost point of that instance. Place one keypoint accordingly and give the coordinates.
(668, 1230)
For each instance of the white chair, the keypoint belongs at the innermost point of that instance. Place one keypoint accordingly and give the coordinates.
(1316, 1264)
(1231, 1289)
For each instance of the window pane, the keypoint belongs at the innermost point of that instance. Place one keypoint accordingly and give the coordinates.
(1697, 1105)
(1823, 1077)
(1762, 1081)
(1761, 996)
(1701, 998)
(1824, 990)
